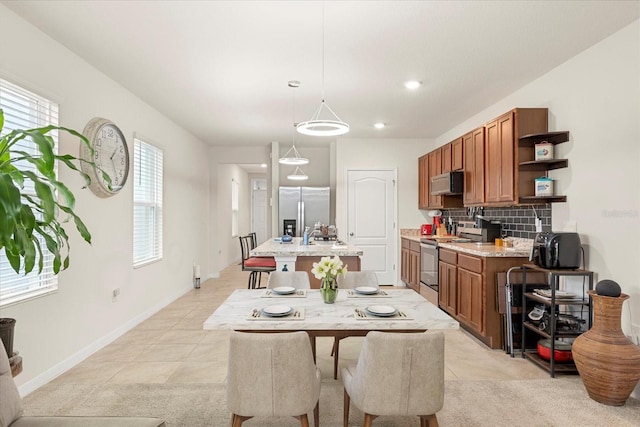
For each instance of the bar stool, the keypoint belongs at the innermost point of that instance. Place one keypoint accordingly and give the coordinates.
(255, 265)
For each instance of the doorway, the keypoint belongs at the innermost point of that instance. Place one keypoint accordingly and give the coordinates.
(259, 208)
(371, 220)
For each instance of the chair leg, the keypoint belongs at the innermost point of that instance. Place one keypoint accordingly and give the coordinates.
(336, 346)
(428, 420)
(250, 279)
(304, 421)
(368, 419)
(316, 414)
(345, 409)
(237, 420)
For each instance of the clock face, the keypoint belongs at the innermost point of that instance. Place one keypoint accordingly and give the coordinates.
(110, 156)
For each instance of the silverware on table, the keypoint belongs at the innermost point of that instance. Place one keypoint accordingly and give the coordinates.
(255, 313)
(268, 292)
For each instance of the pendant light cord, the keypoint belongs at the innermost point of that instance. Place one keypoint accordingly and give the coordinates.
(322, 52)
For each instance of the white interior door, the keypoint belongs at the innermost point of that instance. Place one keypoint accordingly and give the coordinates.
(259, 209)
(371, 220)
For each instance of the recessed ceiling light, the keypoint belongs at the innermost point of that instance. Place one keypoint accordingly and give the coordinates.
(379, 125)
(412, 84)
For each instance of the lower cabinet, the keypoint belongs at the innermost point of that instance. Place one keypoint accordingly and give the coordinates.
(410, 263)
(467, 292)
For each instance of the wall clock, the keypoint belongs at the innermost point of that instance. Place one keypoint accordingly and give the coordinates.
(110, 155)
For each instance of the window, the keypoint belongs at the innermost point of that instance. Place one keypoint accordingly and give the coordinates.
(235, 210)
(147, 203)
(25, 110)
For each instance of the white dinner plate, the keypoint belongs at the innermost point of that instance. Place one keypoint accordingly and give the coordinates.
(381, 310)
(366, 290)
(277, 310)
(284, 290)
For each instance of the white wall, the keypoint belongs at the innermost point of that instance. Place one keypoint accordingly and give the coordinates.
(399, 154)
(56, 331)
(596, 97)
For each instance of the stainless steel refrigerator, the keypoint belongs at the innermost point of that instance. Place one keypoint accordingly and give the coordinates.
(302, 206)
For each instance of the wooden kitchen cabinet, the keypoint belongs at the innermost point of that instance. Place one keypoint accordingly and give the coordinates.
(423, 182)
(470, 292)
(457, 155)
(501, 154)
(410, 263)
(467, 292)
(473, 145)
(448, 281)
(435, 168)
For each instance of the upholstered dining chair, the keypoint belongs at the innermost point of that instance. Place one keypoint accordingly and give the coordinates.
(350, 280)
(295, 279)
(397, 374)
(271, 375)
(255, 265)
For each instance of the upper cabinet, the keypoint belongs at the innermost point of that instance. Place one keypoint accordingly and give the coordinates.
(501, 154)
(473, 144)
(497, 160)
(423, 182)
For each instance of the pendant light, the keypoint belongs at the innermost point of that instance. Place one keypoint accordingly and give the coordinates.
(292, 157)
(323, 127)
(298, 175)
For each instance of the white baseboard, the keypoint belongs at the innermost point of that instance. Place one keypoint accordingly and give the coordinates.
(98, 344)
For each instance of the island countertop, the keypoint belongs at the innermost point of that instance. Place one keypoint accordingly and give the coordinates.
(320, 248)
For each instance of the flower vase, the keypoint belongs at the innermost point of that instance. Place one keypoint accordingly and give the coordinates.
(608, 363)
(329, 290)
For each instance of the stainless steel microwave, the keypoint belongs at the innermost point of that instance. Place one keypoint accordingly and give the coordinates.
(449, 183)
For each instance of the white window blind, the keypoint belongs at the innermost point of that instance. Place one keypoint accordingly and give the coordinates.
(25, 110)
(147, 203)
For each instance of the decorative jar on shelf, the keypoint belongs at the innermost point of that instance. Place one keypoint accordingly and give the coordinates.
(608, 363)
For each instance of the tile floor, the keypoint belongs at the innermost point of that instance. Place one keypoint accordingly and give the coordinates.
(172, 347)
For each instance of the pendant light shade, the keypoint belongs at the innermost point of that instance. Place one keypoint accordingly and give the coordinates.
(318, 126)
(298, 175)
(292, 157)
(321, 127)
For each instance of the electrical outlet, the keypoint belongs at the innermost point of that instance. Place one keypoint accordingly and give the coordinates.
(538, 225)
(114, 294)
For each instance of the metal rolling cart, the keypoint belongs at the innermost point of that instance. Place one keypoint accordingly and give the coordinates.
(553, 302)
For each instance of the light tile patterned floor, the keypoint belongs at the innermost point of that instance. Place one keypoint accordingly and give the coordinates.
(172, 347)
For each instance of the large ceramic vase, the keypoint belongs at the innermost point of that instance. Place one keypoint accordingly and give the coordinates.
(608, 363)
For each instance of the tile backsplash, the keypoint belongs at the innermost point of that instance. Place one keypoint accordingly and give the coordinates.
(518, 221)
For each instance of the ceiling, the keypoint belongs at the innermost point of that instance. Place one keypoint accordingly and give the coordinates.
(220, 68)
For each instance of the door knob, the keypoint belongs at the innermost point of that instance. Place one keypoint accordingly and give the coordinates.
(351, 234)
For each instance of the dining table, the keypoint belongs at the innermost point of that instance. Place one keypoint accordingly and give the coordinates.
(352, 314)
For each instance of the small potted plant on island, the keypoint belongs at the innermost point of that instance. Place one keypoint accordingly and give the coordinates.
(327, 271)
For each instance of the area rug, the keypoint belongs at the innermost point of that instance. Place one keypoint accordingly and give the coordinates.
(549, 402)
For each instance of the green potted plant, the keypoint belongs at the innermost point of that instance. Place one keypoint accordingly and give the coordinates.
(27, 221)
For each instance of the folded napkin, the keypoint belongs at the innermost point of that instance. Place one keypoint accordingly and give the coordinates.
(353, 294)
(299, 293)
(296, 314)
(362, 314)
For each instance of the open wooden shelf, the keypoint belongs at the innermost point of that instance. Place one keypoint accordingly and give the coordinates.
(551, 137)
(533, 200)
(544, 165)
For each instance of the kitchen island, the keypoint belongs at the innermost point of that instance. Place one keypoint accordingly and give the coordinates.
(298, 257)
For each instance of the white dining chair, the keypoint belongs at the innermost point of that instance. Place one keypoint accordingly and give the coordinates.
(398, 374)
(351, 280)
(295, 279)
(272, 375)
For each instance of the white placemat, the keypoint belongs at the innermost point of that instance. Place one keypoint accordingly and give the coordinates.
(299, 293)
(256, 314)
(380, 294)
(361, 314)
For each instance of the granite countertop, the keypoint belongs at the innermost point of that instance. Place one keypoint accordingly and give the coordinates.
(412, 237)
(316, 248)
(488, 250)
